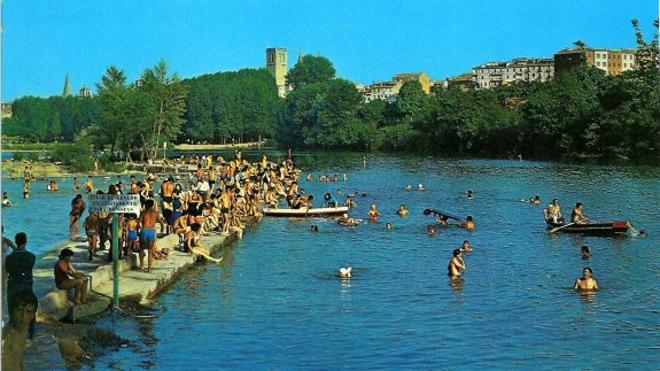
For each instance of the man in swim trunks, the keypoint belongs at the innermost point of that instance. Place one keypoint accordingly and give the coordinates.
(456, 265)
(77, 209)
(67, 277)
(586, 282)
(92, 225)
(148, 220)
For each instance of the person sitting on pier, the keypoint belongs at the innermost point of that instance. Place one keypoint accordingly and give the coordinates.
(402, 210)
(586, 282)
(193, 245)
(67, 277)
(15, 333)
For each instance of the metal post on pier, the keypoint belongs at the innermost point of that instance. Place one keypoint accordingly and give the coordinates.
(115, 261)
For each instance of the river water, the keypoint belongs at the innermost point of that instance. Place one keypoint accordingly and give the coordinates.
(274, 303)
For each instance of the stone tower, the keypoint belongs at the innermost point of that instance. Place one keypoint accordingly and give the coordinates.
(67, 89)
(277, 65)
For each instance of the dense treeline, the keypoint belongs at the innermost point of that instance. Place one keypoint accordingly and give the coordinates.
(50, 119)
(231, 106)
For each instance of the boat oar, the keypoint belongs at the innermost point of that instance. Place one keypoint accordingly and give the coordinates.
(434, 211)
(557, 229)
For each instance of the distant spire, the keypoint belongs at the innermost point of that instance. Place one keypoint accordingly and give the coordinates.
(67, 91)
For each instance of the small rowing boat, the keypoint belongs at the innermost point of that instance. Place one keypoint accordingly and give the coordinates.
(591, 228)
(306, 212)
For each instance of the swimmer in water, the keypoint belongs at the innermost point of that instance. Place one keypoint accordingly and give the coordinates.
(536, 200)
(469, 194)
(466, 246)
(420, 187)
(373, 213)
(344, 273)
(586, 282)
(402, 210)
(468, 224)
(442, 220)
(388, 226)
(586, 253)
(408, 187)
(430, 230)
(315, 228)
(456, 265)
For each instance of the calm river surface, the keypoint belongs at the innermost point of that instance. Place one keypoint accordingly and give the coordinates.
(274, 303)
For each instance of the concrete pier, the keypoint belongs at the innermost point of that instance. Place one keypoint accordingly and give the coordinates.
(134, 286)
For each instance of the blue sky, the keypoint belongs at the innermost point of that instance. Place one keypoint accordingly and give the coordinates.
(366, 40)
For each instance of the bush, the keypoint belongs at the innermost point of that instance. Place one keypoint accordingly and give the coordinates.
(33, 156)
(18, 156)
(76, 156)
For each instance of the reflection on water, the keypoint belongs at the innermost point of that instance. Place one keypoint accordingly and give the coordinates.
(274, 301)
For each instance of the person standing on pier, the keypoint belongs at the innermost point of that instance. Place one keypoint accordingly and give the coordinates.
(19, 265)
(77, 209)
(21, 317)
(148, 220)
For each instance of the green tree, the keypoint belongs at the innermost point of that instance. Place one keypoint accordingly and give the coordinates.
(168, 102)
(411, 102)
(113, 92)
(309, 70)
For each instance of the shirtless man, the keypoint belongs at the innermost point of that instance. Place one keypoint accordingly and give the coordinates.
(402, 210)
(586, 282)
(77, 209)
(92, 225)
(76, 185)
(148, 220)
(67, 277)
(456, 265)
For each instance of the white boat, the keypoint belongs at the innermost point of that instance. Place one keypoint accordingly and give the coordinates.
(306, 212)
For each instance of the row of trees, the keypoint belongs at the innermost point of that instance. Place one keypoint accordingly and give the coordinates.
(226, 106)
(50, 119)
